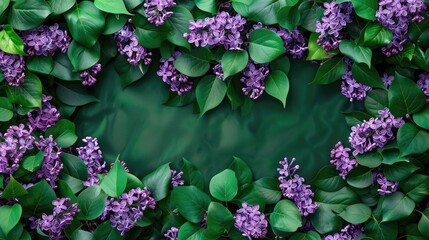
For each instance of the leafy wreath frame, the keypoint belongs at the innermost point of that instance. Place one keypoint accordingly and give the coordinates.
(343, 203)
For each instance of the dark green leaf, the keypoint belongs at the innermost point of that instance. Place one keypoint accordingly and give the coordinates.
(81, 57)
(191, 202)
(74, 166)
(33, 163)
(6, 109)
(105, 231)
(416, 187)
(265, 45)
(219, 220)
(224, 186)
(13, 189)
(288, 17)
(285, 217)
(356, 213)
(234, 62)
(74, 95)
(66, 191)
(360, 177)
(179, 22)
(10, 41)
(28, 94)
(112, 6)
(242, 171)
(61, 6)
(357, 53)
(114, 23)
(376, 100)
(194, 63)
(338, 200)
(370, 159)
(324, 220)
(412, 140)
(282, 63)
(268, 189)
(392, 156)
(375, 36)
(396, 206)
(381, 230)
(424, 223)
(91, 202)
(277, 85)
(129, 73)
(63, 69)
(330, 71)
(399, 171)
(405, 97)
(365, 8)
(210, 93)
(422, 118)
(63, 132)
(3, 5)
(310, 235)
(367, 76)
(315, 51)
(40, 64)
(191, 175)
(115, 181)
(264, 11)
(38, 200)
(327, 179)
(9, 217)
(158, 182)
(28, 14)
(187, 230)
(354, 118)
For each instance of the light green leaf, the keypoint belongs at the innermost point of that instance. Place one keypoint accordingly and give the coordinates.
(265, 45)
(158, 182)
(207, 5)
(285, 217)
(9, 217)
(6, 109)
(355, 52)
(422, 118)
(277, 85)
(179, 22)
(191, 202)
(365, 8)
(63, 132)
(28, 94)
(356, 213)
(112, 6)
(28, 14)
(10, 41)
(234, 62)
(61, 6)
(115, 181)
(224, 185)
(219, 221)
(375, 36)
(91, 202)
(330, 71)
(81, 57)
(210, 92)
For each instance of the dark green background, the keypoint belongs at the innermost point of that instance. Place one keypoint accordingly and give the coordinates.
(134, 123)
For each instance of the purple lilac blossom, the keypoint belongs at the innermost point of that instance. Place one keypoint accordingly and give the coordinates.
(124, 212)
(176, 178)
(423, 83)
(44, 118)
(46, 40)
(128, 45)
(396, 15)
(222, 29)
(385, 186)
(172, 233)
(331, 26)
(253, 77)
(349, 232)
(54, 224)
(157, 10)
(52, 165)
(93, 159)
(15, 142)
(123, 165)
(350, 88)
(89, 75)
(293, 187)
(178, 82)
(340, 157)
(387, 79)
(217, 70)
(294, 42)
(250, 221)
(13, 67)
(374, 133)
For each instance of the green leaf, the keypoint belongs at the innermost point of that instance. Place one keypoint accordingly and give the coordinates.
(207, 5)
(28, 94)
(282, 63)
(187, 230)
(115, 181)
(74, 95)
(194, 63)
(242, 171)
(288, 17)
(219, 220)
(38, 200)
(149, 35)
(40, 64)
(210, 93)
(63, 68)
(392, 156)
(375, 36)
(422, 118)
(367, 76)
(396, 206)
(86, 23)
(310, 14)
(264, 11)
(66, 191)
(13, 189)
(357, 53)
(338, 200)
(224, 185)
(191, 175)
(81, 235)
(324, 220)
(310, 235)
(112, 6)
(234, 62)
(315, 51)
(360, 177)
(114, 23)
(191, 202)
(91, 202)
(416, 187)
(3, 5)
(285, 217)
(405, 97)
(356, 213)
(33, 163)
(370, 159)
(354, 118)
(268, 189)
(28, 14)
(6, 109)
(74, 166)
(61, 6)
(242, 7)
(129, 73)
(63, 132)
(381, 230)
(158, 182)
(277, 85)
(328, 179)
(424, 223)
(81, 57)
(399, 171)
(179, 22)
(9, 217)
(10, 41)
(412, 140)
(365, 8)
(330, 71)
(265, 46)
(105, 231)
(376, 100)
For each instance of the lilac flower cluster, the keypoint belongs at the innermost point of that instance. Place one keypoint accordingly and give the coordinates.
(124, 212)
(250, 221)
(15, 142)
(54, 224)
(293, 187)
(218, 71)
(294, 42)
(172, 233)
(156, 10)
(253, 77)
(396, 15)
(374, 133)
(93, 159)
(385, 186)
(44, 118)
(52, 165)
(46, 40)
(387, 79)
(423, 83)
(128, 45)
(89, 75)
(340, 157)
(350, 88)
(222, 29)
(331, 26)
(349, 232)
(123, 165)
(178, 82)
(176, 178)
(13, 67)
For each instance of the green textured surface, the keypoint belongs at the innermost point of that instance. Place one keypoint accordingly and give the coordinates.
(134, 123)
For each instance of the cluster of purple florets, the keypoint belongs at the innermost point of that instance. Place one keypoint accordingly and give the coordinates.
(374, 133)
(157, 10)
(13, 67)
(172, 233)
(92, 156)
(349, 232)
(396, 15)
(385, 186)
(253, 78)
(218, 71)
(342, 159)
(293, 187)
(332, 25)
(128, 45)
(350, 88)
(387, 79)
(423, 83)
(176, 178)
(54, 224)
(89, 75)
(124, 212)
(52, 165)
(45, 117)
(46, 40)
(250, 221)
(178, 82)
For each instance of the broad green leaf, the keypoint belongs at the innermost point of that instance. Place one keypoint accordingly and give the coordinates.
(3, 5)
(310, 235)
(38, 200)
(10, 41)
(354, 118)
(268, 189)
(210, 93)
(86, 23)
(6, 109)
(360, 177)
(355, 52)
(277, 85)
(61, 6)
(219, 220)
(63, 132)
(405, 97)
(179, 22)
(114, 23)
(381, 230)
(194, 63)
(392, 156)
(82, 235)
(133, 182)
(81, 57)
(112, 6)
(66, 191)
(158, 182)
(338, 200)
(412, 140)
(191, 202)
(63, 68)
(264, 11)
(282, 63)
(285, 217)
(91, 202)
(330, 71)
(105, 231)
(187, 230)
(115, 181)
(422, 118)
(28, 94)
(396, 206)
(40, 64)
(28, 14)
(9, 217)
(224, 185)
(416, 187)
(324, 220)
(13, 189)
(242, 171)
(265, 46)
(74, 166)
(207, 5)
(249, 194)
(370, 159)
(127, 72)
(310, 14)
(376, 100)
(423, 225)
(399, 171)
(242, 7)
(288, 17)
(327, 179)
(234, 62)
(375, 36)
(191, 175)
(365, 8)
(315, 51)
(356, 213)
(150, 35)
(367, 76)
(74, 95)
(33, 163)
